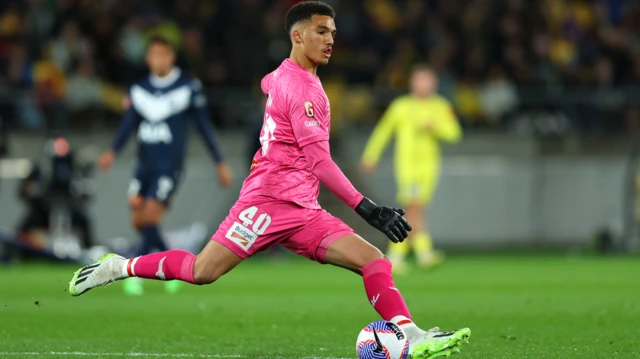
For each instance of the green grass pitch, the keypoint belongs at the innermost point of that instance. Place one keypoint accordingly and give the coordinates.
(529, 306)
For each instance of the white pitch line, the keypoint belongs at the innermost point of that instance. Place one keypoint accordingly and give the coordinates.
(157, 355)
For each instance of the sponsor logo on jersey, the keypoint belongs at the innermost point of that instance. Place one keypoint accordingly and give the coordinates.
(308, 109)
(155, 133)
(241, 235)
(311, 123)
(254, 164)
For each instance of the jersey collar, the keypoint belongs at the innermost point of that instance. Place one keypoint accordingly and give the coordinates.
(167, 80)
(296, 67)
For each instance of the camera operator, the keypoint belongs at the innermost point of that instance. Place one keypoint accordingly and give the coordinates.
(57, 182)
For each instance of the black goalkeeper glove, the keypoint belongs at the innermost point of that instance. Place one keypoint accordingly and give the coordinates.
(386, 219)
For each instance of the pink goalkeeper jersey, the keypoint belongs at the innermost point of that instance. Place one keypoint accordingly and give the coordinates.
(297, 114)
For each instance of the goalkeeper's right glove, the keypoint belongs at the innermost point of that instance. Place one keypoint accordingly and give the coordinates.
(386, 219)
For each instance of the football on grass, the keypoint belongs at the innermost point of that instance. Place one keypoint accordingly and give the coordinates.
(382, 340)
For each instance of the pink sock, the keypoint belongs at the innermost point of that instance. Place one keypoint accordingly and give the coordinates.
(382, 292)
(173, 264)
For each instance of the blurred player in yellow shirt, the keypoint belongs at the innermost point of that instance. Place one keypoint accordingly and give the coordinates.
(420, 121)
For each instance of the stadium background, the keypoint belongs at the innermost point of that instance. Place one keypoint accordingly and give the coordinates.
(547, 92)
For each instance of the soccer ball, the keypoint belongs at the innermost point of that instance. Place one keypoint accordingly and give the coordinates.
(382, 340)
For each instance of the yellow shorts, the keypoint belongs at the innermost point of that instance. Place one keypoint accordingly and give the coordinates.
(415, 193)
(417, 188)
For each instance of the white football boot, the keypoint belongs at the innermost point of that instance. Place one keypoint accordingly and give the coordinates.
(105, 271)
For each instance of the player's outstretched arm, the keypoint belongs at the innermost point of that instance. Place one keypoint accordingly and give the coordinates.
(386, 219)
(447, 127)
(130, 121)
(206, 130)
(379, 138)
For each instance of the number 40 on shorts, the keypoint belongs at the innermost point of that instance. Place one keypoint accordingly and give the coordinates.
(245, 234)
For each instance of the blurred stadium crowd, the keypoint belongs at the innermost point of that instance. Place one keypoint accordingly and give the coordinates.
(501, 62)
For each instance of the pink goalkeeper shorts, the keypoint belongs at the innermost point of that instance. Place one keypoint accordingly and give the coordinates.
(257, 224)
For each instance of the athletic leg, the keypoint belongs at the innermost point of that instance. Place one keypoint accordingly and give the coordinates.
(354, 253)
(157, 191)
(421, 241)
(152, 215)
(205, 268)
(147, 219)
(419, 238)
(158, 198)
(137, 222)
(398, 252)
(249, 228)
(357, 255)
(138, 187)
(149, 193)
(327, 239)
(133, 286)
(414, 216)
(209, 265)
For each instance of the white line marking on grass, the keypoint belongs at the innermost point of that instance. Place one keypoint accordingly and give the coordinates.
(158, 355)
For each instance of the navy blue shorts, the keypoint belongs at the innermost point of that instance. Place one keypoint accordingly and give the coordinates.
(153, 184)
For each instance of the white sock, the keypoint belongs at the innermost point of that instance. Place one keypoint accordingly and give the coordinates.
(414, 334)
(125, 267)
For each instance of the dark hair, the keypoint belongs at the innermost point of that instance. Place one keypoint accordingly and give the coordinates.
(305, 10)
(160, 40)
(421, 67)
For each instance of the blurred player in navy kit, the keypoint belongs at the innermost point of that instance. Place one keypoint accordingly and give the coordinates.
(159, 108)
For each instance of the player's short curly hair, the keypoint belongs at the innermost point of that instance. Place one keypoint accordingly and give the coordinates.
(305, 10)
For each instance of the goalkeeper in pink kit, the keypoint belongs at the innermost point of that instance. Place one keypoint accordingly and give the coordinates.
(278, 203)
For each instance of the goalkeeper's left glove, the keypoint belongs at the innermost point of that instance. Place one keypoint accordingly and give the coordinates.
(388, 220)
